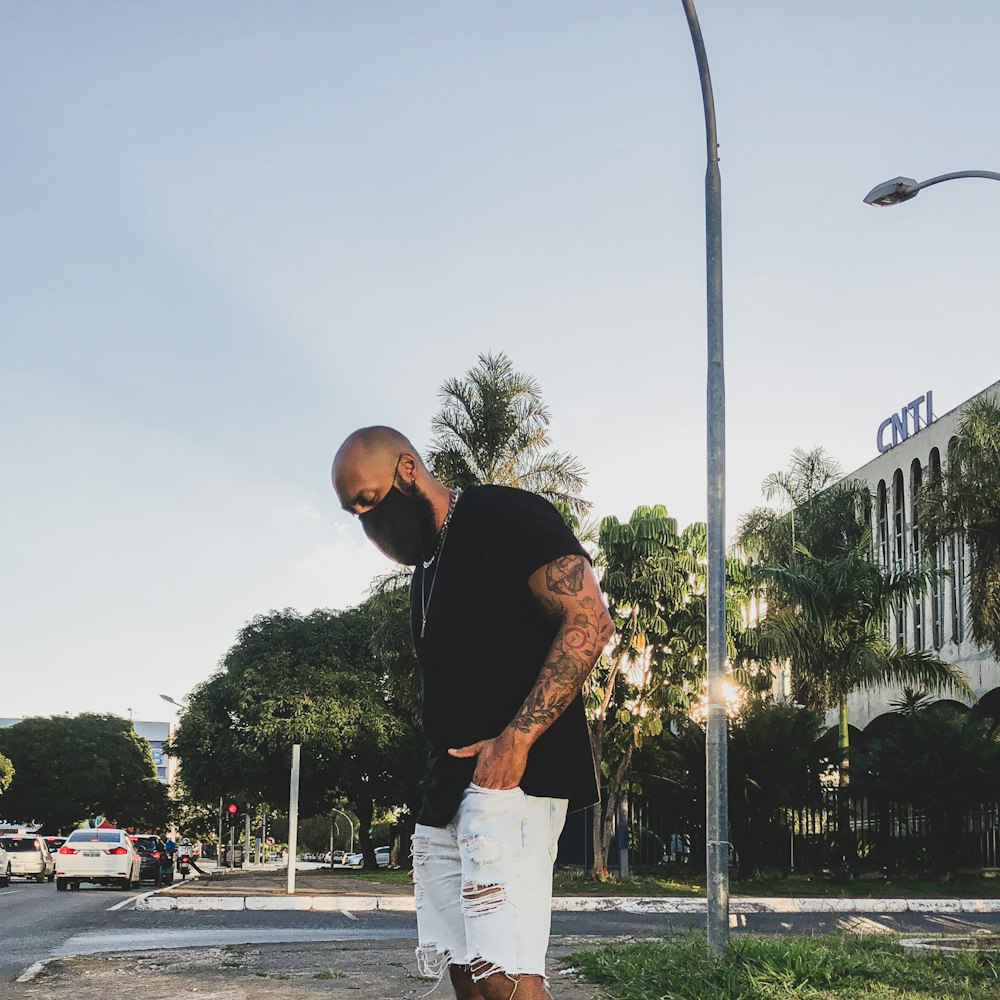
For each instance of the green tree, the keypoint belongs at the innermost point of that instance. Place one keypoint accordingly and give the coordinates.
(829, 621)
(774, 763)
(312, 680)
(493, 427)
(6, 773)
(654, 579)
(817, 510)
(966, 501)
(68, 769)
(941, 760)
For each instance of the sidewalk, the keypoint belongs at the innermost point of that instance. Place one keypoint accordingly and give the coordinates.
(337, 971)
(325, 890)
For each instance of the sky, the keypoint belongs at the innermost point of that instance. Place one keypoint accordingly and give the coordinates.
(232, 232)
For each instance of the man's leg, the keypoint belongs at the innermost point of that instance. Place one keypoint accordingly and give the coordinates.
(437, 889)
(507, 842)
(461, 980)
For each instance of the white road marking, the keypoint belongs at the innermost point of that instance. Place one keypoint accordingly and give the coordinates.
(10, 892)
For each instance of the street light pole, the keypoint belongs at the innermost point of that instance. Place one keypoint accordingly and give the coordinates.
(716, 776)
(901, 189)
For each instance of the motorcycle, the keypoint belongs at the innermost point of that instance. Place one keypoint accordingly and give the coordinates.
(184, 865)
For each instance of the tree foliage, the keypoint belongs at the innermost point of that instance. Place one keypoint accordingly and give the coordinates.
(829, 620)
(941, 760)
(309, 679)
(774, 763)
(69, 769)
(654, 579)
(6, 773)
(493, 427)
(966, 501)
(817, 510)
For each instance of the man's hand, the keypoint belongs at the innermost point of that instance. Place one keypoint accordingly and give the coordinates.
(502, 760)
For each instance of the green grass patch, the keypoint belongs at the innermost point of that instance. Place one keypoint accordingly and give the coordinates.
(330, 974)
(386, 876)
(577, 882)
(832, 967)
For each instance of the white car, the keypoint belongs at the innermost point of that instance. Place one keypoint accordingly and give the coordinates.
(4, 867)
(28, 856)
(106, 857)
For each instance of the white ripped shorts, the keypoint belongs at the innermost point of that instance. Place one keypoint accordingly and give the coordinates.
(483, 884)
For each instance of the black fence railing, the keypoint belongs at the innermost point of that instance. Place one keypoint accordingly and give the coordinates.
(878, 836)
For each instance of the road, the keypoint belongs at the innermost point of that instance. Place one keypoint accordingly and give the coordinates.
(36, 922)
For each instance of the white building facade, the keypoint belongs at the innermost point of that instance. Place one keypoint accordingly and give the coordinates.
(914, 444)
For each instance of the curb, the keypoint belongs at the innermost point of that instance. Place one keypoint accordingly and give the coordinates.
(582, 904)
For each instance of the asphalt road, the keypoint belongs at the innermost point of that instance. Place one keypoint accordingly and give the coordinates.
(36, 922)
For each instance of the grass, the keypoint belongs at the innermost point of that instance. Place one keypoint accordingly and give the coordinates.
(330, 974)
(788, 968)
(576, 882)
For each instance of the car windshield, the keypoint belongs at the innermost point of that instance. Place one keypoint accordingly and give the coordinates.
(13, 844)
(95, 836)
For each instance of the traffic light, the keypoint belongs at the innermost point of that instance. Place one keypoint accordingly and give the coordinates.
(232, 808)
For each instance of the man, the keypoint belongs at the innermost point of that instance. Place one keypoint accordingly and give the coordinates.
(508, 619)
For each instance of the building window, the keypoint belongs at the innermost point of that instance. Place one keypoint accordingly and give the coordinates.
(883, 526)
(937, 564)
(899, 548)
(956, 565)
(916, 557)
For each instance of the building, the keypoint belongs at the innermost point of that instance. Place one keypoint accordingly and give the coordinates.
(157, 735)
(913, 444)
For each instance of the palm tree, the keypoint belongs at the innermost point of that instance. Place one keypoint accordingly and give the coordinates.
(966, 501)
(820, 510)
(493, 427)
(830, 624)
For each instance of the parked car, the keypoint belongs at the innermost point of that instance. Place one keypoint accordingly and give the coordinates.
(155, 865)
(4, 867)
(29, 856)
(340, 857)
(382, 856)
(355, 859)
(105, 857)
(54, 844)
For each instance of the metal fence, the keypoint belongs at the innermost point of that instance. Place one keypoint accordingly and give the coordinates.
(666, 829)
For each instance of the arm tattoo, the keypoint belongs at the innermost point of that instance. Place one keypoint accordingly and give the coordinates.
(574, 651)
(565, 575)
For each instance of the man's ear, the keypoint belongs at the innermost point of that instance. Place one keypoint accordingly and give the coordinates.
(408, 469)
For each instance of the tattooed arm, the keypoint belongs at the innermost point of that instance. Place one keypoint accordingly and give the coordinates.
(567, 589)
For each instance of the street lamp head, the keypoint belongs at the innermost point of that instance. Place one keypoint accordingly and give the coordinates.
(166, 697)
(893, 192)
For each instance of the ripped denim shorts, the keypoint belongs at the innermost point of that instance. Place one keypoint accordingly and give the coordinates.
(483, 884)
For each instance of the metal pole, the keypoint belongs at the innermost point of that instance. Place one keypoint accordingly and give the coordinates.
(717, 812)
(219, 850)
(246, 841)
(333, 826)
(293, 818)
(350, 826)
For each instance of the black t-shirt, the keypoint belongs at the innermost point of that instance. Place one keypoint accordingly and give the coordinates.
(485, 642)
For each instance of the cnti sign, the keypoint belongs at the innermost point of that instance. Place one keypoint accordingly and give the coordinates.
(916, 414)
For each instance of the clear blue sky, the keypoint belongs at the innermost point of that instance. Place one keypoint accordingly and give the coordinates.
(232, 232)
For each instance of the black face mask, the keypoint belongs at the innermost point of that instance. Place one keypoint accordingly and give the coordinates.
(401, 526)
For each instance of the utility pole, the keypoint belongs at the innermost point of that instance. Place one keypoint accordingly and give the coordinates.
(293, 818)
(716, 769)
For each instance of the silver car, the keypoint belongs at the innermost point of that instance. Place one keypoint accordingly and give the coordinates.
(4, 867)
(29, 857)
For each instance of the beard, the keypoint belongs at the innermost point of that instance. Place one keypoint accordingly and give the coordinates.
(403, 526)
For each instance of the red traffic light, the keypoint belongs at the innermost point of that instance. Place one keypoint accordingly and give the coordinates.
(232, 809)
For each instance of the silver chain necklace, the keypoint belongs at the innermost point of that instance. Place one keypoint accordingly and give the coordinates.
(425, 603)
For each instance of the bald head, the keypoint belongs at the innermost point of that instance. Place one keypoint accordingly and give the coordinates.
(367, 466)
